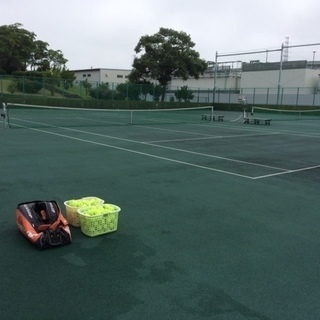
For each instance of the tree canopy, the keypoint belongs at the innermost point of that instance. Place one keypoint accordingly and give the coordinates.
(164, 55)
(20, 51)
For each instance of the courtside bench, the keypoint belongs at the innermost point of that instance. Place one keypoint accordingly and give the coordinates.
(266, 121)
(213, 117)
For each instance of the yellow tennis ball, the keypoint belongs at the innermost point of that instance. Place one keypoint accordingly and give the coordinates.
(72, 203)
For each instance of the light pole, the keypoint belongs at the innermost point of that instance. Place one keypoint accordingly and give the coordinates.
(280, 72)
(215, 78)
(314, 53)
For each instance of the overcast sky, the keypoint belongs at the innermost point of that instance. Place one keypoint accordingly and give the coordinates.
(104, 33)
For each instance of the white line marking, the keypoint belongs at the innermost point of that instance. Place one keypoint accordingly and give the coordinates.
(178, 131)
(218, 157)
(213, 137)
(289, 171)
(251, 128)
(141, 153)
(180, 150)
(285, 171)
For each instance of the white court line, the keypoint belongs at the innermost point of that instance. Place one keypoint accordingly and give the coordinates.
(289, 171)
(180, 150)
(140, 153)
(213, 137)
(286, 171)
(251, 128)
(178, 131)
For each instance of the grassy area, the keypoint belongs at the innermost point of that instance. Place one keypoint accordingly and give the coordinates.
(75, 91)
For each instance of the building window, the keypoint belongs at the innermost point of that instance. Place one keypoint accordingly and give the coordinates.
(89, 75)
(84, 75)
(119, 76)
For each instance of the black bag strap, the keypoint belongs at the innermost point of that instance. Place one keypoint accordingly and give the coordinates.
(40, 212)
(48, 210)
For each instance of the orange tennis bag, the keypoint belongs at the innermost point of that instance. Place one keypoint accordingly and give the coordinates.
(43, 224)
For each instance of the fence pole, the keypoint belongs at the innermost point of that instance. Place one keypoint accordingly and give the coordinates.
(280, 72)
(215, 78)
(314, 96)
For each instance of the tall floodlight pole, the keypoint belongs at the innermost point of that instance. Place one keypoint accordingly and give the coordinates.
(314, 53)
(280, 73)
(215, 77)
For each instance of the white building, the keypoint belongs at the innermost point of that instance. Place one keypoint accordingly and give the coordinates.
(260, 82)
(294, 74)
(102, 75)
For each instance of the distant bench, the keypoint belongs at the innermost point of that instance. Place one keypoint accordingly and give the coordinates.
(213, 117)
(266, 121)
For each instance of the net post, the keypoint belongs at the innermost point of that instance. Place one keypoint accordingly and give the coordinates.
(4, 115)
(212, 108)
(131, 117)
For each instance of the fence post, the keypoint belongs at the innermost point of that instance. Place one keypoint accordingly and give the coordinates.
(23, 86)
(127, 91)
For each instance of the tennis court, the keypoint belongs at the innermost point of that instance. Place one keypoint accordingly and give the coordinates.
(219, 220)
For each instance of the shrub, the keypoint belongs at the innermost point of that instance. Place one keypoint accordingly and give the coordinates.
(12, 87)
(28, 86)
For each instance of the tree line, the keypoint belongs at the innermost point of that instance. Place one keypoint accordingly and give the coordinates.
(159, 58)
(22, 54)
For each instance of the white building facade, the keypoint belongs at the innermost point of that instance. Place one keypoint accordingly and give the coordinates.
(261, 83)
(102, 75)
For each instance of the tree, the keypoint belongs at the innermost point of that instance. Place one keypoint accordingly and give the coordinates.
(164, 55)
(86, 85)
(12, 87)
(68, 78)
(102, 91)
(16, 46)
(20, 51)
(53, 60)
(52, 79)
(184, 93)
(38, 55)
(128, 91)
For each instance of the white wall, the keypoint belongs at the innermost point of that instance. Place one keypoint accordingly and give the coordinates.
(207, 82)
(289, 78)
(301, 78)
(102, 75)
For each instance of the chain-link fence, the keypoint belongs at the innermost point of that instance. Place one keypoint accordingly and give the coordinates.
(50, 91)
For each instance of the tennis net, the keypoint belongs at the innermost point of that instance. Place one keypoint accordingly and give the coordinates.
(34, 116)
(283, 114)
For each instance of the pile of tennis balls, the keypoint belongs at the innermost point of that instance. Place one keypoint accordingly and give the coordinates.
(99, 209)
(79, 203)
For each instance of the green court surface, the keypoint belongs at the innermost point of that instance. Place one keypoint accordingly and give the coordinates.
(219, 220)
